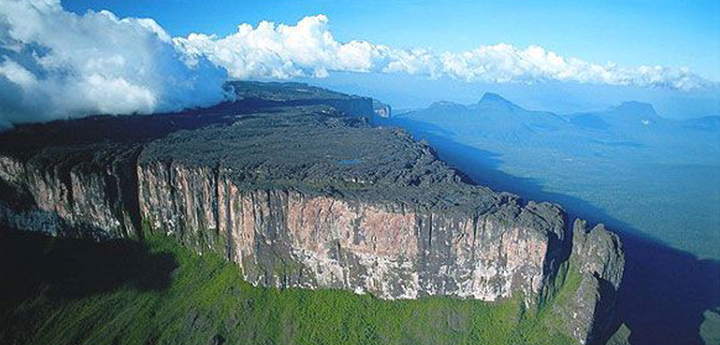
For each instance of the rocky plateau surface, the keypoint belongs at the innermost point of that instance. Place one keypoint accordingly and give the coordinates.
(291, 183)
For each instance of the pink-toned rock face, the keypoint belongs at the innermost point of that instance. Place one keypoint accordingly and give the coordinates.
(361, 229)
(286, 238)
(59, 200)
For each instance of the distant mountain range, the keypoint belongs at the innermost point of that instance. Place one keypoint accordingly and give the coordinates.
(498, 121)
(627, 115)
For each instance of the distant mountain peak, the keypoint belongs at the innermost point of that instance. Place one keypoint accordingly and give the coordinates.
(494, 101)
(493, 97)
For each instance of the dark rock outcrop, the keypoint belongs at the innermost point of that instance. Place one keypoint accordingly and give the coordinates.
(597, 257)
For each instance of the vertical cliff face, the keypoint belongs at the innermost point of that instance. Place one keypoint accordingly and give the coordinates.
(76, 195)
(285, 238)
(301, 94)
(358, 107)
(598, 263)
(307, 197)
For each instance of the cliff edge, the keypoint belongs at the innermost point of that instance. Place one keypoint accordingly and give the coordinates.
(293, 185)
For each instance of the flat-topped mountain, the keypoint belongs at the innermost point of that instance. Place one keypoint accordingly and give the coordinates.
(498, 121)
(293, 185)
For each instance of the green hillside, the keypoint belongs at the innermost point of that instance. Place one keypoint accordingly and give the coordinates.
(63, 291)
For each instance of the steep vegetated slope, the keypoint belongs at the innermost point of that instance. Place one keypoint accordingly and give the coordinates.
(293, 185)
(123, 292)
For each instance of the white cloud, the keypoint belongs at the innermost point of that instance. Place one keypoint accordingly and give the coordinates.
(309, 49)
(18, 74)
(58, 64)
(279, 51)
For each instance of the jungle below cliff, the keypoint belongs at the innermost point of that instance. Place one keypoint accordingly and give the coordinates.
(66, 291)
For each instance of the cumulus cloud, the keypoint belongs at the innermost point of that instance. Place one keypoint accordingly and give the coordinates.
(56, 64)
(282, 51)
(308, 49)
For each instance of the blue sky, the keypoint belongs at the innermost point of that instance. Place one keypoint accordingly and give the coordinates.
(629, 33)
(58, 55)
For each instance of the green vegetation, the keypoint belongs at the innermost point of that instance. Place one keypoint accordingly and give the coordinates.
(710, 328)
(61, 291)
(568, 282)
(621, 336)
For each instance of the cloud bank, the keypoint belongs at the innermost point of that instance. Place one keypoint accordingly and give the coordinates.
(308, 49)
(56, 64)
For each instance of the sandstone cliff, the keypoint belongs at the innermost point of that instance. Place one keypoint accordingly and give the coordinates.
(301, 195)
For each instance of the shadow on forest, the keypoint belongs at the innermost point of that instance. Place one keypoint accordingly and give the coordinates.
(664, 291)
(66, 268)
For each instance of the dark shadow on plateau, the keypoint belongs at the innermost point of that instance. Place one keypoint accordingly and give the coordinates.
(664, 291)
(131, 130)
(65, 268)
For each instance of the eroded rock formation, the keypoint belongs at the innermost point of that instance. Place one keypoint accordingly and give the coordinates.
(301, 195)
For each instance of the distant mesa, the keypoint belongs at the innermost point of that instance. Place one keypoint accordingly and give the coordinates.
(497, 117)
(644, 112)
(445, 108)
(635, 107)
(489, 100)
(445, 104)
(381, 109)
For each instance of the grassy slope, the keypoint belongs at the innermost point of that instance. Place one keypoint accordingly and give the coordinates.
(69, 292)
(710, 328)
